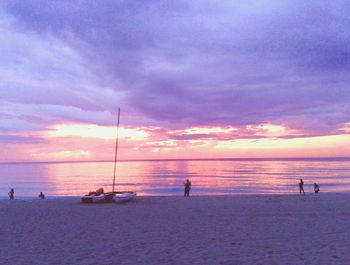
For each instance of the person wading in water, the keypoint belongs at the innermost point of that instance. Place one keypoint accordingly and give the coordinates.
(187, 185)
(316, 188)
(301, 186)
(12, 194)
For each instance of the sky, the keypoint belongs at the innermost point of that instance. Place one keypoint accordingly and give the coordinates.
(193, 79)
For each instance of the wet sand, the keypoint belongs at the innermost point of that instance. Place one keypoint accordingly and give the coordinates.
(266, 229)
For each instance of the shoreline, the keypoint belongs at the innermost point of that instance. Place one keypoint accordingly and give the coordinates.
(71, 197)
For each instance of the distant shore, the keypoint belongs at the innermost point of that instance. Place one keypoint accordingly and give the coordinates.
(234, 229)
(326, 158)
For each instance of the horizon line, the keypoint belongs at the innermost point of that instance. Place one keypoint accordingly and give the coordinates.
(345, 158)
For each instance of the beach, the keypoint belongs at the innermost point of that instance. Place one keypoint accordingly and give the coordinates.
(235, 229)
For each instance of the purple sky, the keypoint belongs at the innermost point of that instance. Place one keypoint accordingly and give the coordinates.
(174, 64)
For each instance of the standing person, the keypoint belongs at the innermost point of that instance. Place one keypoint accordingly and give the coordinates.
(301, 186)
(12, 194)
(41, 195)
(187, 185)
(316, 188)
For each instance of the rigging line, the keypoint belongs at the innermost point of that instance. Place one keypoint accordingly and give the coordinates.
(116, 151)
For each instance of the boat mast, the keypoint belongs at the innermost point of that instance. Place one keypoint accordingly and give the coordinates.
(116, 150)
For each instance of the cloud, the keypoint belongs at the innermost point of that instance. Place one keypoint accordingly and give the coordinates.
(182, 64)
(13, 139)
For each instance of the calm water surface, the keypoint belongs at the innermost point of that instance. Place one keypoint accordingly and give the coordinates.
(166, 177)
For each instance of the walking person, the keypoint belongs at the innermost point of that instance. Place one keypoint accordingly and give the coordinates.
(301, 186)
(187, 185)
(11, 194)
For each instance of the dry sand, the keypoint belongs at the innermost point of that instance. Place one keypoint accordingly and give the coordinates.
(312, 229)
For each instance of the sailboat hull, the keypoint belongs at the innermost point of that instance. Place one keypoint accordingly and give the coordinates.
(124, 196)
(102, 198)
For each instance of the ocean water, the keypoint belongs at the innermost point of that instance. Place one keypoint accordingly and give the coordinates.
(166, 177)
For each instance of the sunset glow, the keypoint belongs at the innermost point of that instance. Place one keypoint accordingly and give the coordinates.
(269, 130)
(193, 80)
(204, 130)
(94, 131)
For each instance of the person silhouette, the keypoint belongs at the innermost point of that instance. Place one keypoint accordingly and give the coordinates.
(301, 186)
(316, 188)
(11, 194)
(187, 185)
(41, 195)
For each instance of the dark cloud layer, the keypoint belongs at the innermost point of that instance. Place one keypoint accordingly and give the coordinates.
(182, 63)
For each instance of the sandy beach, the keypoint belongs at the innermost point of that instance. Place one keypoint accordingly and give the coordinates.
(246, 229)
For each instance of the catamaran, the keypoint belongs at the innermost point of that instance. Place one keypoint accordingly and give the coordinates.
(99, 196)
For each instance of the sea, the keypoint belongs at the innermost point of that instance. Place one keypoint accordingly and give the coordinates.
(166, 177)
